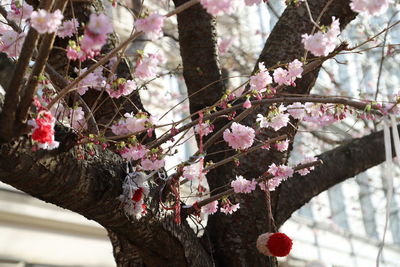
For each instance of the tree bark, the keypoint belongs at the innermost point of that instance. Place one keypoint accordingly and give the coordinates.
(91, 187)
(196, 32)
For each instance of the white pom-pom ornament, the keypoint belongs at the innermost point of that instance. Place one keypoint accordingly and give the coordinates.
(274, 244)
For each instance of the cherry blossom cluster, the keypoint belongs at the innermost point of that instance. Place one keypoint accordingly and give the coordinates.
(19, 12)
(372, 7)
(133, 123)
(280, 173)
(121, 87)
(239, 136)
(151, 25)
(206, 128)
(210, 208)
(134, 151)
(241, 185)
(11, 41)
(220, 7)
(147, 65)
(316, 113)
(72, 117)
(275, 119)
(260, 81)
(322, 43)
(134, 191)
(95, 36)
(46, 22)
(193, 172)
(68, 28)
(115, 87)
(227, 207)
(287, 77)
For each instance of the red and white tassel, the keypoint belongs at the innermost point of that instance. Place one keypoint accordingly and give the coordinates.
(274, 244)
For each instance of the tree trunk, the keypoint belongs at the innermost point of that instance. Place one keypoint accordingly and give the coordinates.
(91, 187)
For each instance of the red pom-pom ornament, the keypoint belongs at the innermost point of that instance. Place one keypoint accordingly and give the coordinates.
(274, 244)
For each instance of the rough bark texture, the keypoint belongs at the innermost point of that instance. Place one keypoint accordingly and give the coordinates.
(198, 46)
(91, 187)
(283, 45)
(353, 158)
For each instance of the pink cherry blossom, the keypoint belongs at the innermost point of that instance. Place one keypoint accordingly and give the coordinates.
(95, 36)
(192, 172)
(252, 2)
(315, 43)
(4, 28)
(306, 171)
(11, 43)
(210, 208)
(373, 7)
(206, 129)
(240, 136)
(147, 67)
(276, 119)
(134, 124)
(150, 165)
(219, 7)
(94, 80)
(260, 80)
(281, 76)
(91, 44)
(321, 44)
(296, 110)
(72, 53)
(133, 152)
(282, 172)
(99, 24)
(68, 28)
(282, 145)
(271, 184)
(120, 128)
(46, 22)
(151, 26)
(241, 185)
(295, 69)
(314, 109)
(124, 88)
(20, 14)
(77, 118)
(228, 208)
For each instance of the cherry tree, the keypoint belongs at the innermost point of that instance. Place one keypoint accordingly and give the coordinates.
(75, 133)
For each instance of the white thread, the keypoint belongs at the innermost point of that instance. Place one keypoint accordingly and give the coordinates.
(389, 176)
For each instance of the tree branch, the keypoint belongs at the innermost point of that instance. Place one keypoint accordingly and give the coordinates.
(11, 101)
(353, 158)
(283, 45)
(198, 47)
(91, 188)
(45, 48)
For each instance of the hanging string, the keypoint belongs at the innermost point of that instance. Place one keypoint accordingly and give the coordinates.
(201, 116)
(388, 175)
(270, 217)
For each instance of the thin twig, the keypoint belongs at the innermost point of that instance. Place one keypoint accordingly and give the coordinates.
(71, 86)
(230, 192)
